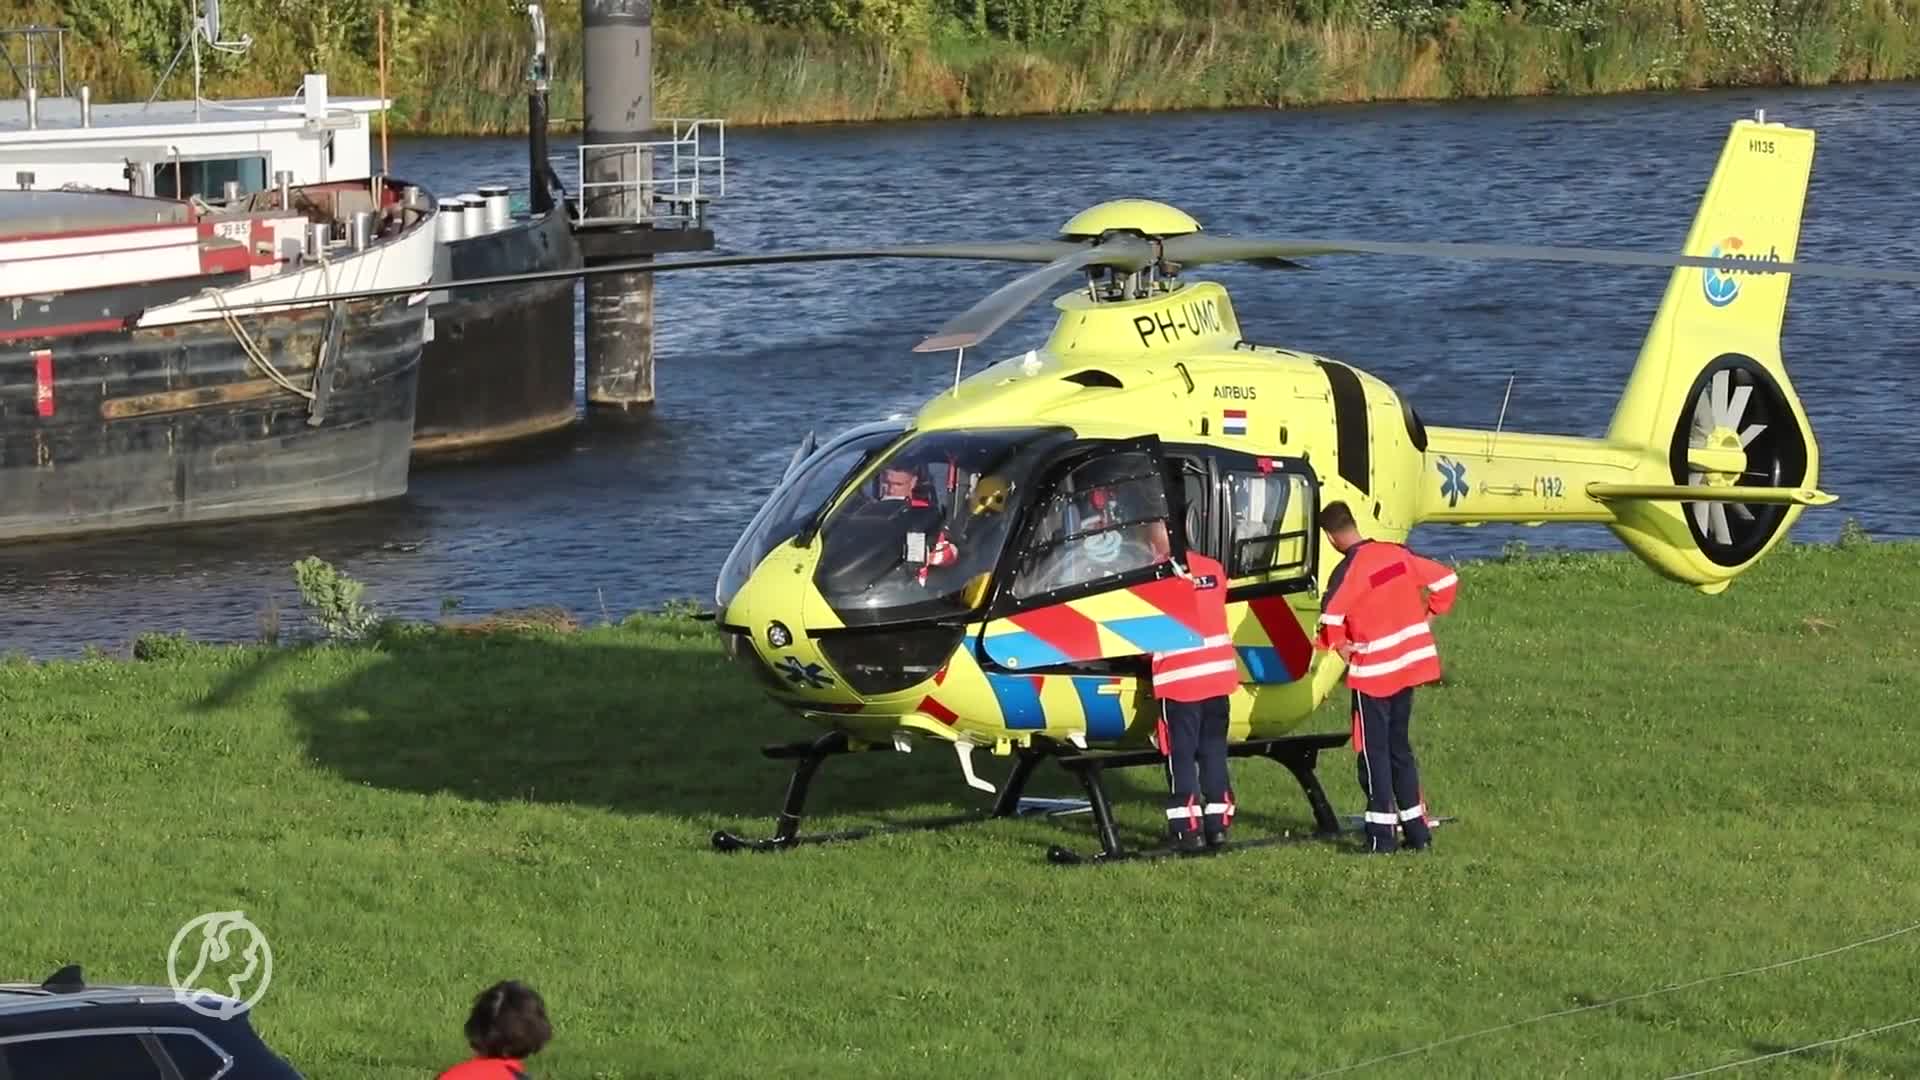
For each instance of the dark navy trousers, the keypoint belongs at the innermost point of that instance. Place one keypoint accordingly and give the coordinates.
(1193, 735)
(1388, 772)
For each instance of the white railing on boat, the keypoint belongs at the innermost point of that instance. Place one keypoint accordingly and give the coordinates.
(664, 182)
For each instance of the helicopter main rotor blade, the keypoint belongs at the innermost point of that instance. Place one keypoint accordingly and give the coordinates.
(1129, 253)
(975, 324)
(989, 251)
(1197, 248)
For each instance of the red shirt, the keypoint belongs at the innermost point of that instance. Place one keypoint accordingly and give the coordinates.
(485, 1069)
(1374, 601)
(1212, 668)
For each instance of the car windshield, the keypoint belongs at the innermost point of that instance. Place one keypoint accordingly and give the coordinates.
(798, 498)
(921, 533)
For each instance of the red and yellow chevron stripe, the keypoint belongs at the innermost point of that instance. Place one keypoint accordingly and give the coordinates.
(1155, 617)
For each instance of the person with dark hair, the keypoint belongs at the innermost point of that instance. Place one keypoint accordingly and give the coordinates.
(1375, 616)
(507, 1025)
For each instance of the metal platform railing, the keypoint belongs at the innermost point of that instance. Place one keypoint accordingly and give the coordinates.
(52, 58)
(665, 183)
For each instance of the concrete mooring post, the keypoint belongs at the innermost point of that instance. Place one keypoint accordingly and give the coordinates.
(617, 84)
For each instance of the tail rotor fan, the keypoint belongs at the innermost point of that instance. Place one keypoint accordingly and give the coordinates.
(1739, 432)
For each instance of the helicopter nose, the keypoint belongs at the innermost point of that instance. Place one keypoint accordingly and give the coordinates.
(774, 670)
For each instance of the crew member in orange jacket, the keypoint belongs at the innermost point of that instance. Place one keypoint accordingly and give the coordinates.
(1375, 616)
(1193, 685)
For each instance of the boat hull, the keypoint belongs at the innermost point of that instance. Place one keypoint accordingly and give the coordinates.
(501, 363)
(178, 424)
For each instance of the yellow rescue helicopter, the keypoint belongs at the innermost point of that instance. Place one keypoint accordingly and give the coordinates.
(993, 571)
(985, 573)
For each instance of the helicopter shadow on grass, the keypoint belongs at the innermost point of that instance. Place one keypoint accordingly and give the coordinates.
(650, 721)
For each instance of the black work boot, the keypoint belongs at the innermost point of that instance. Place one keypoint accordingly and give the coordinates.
(1186, 842)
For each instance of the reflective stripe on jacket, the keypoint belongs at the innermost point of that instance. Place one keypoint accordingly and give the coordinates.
(1374, 601)
(1212, 668)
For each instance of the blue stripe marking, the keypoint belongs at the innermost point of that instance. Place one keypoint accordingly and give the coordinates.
(1105, 718)
(1023, 649)
(1154, 633)
(1263, 663)
(1019, 701)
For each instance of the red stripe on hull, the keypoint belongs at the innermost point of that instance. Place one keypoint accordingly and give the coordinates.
(1173, 597)
(64, 329)
(43, 381)
(103, 230)
(938, 711)
(1063, 628)
(1289, 640)
(225, 260)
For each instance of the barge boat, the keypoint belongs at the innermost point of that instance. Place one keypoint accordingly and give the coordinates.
(132, 394)
(500, 362)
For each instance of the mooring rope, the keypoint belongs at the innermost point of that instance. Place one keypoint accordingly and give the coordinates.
(254, 351)
(1635, 997)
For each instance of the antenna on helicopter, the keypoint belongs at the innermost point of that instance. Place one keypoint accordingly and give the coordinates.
(959, 354)
(1494, 440)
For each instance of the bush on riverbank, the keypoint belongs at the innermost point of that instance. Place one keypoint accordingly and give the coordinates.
(458, 66)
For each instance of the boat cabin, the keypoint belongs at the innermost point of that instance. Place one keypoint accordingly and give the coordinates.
(180, 149)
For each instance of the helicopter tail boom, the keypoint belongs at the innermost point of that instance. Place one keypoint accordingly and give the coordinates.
(1709, 458)
(1709, 403)
(1473, 476)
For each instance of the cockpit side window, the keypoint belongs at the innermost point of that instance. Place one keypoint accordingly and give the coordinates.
(1108, 517)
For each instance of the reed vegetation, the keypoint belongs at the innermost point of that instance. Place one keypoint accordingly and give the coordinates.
(459, 66)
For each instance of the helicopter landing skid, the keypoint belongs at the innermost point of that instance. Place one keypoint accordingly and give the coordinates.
(786, 833)
(1298, 753)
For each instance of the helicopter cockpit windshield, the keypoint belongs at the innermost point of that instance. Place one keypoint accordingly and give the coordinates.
(798, 496)
(919, 537)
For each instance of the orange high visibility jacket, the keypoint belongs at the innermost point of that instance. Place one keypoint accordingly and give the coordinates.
(486, 1068)
(1212, 668)
(1373, 600)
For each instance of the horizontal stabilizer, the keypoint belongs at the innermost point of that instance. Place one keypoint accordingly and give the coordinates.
(1710, 493)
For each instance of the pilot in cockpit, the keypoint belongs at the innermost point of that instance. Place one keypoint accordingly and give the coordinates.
(898, 483)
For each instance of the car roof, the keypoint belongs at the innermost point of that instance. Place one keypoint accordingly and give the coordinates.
(66, 989)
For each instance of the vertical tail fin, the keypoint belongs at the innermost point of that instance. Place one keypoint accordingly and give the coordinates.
(1709, 401)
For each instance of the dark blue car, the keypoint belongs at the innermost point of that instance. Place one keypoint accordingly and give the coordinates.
(63, 1028)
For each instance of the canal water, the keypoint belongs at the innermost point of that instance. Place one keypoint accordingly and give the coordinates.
(620, 515)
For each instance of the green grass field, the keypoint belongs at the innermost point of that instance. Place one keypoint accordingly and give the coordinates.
(1653, 787)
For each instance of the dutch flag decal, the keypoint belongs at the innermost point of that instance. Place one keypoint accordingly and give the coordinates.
(1233, 422)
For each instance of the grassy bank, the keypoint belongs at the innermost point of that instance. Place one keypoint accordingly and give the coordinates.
(457, 66)
(1652, 787)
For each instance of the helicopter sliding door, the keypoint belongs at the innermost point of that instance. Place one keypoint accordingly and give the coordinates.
(1089, 576)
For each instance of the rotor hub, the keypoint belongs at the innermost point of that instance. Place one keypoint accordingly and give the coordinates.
(1140, 217)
